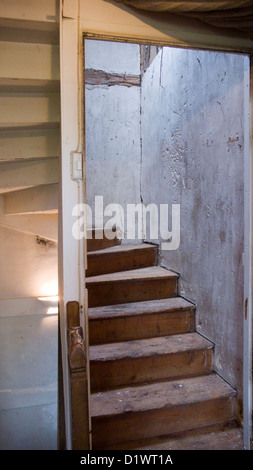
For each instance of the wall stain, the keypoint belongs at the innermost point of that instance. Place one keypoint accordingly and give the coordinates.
(46, 243)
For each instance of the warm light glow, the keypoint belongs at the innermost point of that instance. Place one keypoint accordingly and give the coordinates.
(52, 310)
(49, 289)
(53, 298)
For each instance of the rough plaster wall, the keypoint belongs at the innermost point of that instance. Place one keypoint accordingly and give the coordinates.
(112, 57)
(192, 142)
(113, 153)
(28, 343)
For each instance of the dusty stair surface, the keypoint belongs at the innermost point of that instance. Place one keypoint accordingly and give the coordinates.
(152, 380)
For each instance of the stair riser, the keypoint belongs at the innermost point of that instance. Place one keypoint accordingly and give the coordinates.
(112, 330)
(94, 244)
(132, 426)
(111, 374)
(115, 262)
(111, 293)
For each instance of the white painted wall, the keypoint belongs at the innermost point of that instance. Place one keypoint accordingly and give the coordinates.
(32, 264)
(28, 342)
(28, 394)
(29, 154)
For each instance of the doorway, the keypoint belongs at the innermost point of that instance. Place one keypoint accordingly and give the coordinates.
(169, 126)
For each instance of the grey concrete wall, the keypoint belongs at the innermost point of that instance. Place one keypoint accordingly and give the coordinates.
(113, 152)
(192, 155)
(112, 57)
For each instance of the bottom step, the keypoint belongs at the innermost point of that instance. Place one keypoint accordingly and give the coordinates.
(151, 410)
(219, 437)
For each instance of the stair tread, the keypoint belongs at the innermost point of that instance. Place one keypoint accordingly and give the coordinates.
(118, 249)
(219, 437)
(139, 308)
(149, 347)
(159, 395)
(150, 273)
(231, 439)
(119, 258)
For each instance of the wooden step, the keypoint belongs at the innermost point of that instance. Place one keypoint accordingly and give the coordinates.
(131, 286)
(217, 437)
(141, 412)
(121, 258)
(99, 240)
(139, 320)
(147, 360)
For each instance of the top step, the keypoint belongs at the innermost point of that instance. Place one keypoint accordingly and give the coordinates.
(99, 239)
(121, 258)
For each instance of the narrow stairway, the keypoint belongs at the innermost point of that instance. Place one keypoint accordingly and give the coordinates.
(30, 118)
(152, 382)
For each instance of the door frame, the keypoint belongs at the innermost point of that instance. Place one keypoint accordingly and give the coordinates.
(72, 251)
(75, 27)
(248, 258)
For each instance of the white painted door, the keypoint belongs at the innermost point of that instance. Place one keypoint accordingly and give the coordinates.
(96, 18)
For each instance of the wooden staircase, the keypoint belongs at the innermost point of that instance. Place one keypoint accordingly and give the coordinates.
(152, 381)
